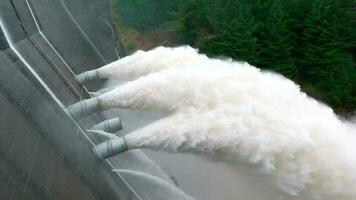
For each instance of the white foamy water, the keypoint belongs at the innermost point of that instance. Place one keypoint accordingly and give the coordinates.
(237, 113)
(145, 62)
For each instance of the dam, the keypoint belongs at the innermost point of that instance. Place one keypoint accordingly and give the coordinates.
(44, 152)
(83, 119)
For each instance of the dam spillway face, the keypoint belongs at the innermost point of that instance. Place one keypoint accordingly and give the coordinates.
(43, 45)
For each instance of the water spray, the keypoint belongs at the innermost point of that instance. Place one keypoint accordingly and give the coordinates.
(110, 125)
(110, 148)
(234, 112)
(142, 63)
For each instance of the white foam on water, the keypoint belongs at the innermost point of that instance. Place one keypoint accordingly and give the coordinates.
(145, 62)
(237, 113)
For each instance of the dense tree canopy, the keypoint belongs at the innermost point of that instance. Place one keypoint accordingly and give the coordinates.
(311, 41)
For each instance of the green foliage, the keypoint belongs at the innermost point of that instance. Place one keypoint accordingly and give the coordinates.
(192, 20)
(275, 40)
(234, 28)
(130, 47)
(311, 41)
(144, 14)
(325, 61)
(252, 31)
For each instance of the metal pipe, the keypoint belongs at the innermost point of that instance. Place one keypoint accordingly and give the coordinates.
(103, 134)
(94, 94)
(84, 108)
(110, 125)
(110, 148)
(87, 76)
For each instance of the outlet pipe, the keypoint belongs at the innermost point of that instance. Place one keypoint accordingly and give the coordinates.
(84, 108)
(87, 76)
(110, 148)
(110, 125)
(94, 94)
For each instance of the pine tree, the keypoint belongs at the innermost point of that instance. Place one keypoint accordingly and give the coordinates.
(275, 39)
(325, 62)
(234, 29)
(191, 19)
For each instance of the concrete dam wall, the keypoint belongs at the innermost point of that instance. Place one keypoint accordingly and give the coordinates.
(44, 152)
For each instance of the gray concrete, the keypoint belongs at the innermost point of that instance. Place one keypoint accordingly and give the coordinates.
(45, 153)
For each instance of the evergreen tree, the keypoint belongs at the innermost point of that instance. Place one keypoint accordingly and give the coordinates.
(275, 40)
(325, 61)
(234, 28)
(192, 19)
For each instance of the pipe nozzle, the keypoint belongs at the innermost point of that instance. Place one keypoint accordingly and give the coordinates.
(84, 108)
(87, 76)
(110, 125)
(110, 148)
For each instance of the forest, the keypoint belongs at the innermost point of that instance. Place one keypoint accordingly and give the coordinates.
(312, 42)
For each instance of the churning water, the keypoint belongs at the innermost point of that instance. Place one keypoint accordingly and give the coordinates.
(237, 113)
